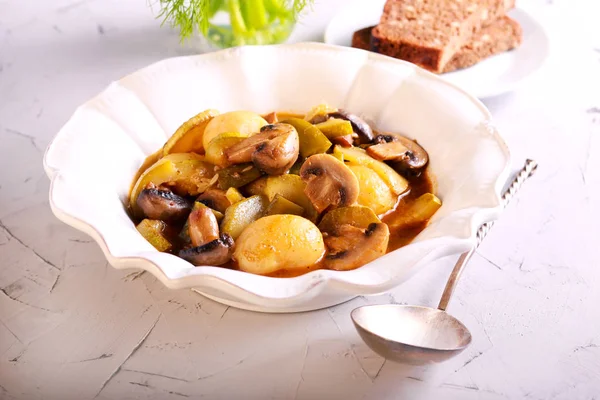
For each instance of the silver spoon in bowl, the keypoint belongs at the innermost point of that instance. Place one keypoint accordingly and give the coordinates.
(422, 335)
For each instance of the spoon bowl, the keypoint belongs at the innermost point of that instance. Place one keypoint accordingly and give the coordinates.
(411, 334)
(421, 335)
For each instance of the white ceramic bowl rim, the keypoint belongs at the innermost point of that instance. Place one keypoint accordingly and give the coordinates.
(375, 277)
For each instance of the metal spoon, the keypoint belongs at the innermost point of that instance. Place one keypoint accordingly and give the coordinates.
(423, 335)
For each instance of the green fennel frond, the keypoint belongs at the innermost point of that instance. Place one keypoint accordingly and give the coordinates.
(299, 5)
(187, 15)
(190, 16)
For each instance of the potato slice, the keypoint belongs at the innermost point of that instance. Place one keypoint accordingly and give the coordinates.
(234, 195)
(256, 187)
(290, 187)
(359, 156)
(357, 216)
(312, 140)
(148, 162)
(421, 210)
(188, 137)
(245, 123)
(335, 127)
(216, 148)
(374, 192)
(240, 215)
(279, 242)
(188, 173)
(152, 230)
(237, 175)
(281, 205)
(319, 111)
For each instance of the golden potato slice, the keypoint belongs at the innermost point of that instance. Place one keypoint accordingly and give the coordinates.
(237, 175)
(422, 209)
(357, 216)
(256, 187)
(188, 137)
(152, 230)
(279, 242)
(246, 123)
(148, 162)
(215, 151)
(234, 195)
(374, 192)
(319, 111)
(281, 205)
(290, 187)
(312, 140)
(335, 127)
(241, 214)
(359, 156)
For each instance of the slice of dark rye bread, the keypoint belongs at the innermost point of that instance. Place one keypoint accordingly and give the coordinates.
(501, 35)
(430, 32)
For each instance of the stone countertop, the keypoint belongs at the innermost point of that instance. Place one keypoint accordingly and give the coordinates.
(72, 327)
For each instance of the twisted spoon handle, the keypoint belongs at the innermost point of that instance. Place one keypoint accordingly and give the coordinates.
(525, 173)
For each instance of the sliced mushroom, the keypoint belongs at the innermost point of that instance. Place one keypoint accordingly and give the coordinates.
(277, 156)
(344, 141)
(274, 150)
(359, 125)
(215, 199)
(406, 154)
(350, 247)
(163, 204)
(388, 151)
(202, 226)
(329, 182)
(216, 252)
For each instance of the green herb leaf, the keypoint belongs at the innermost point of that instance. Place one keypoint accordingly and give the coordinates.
(191, 16)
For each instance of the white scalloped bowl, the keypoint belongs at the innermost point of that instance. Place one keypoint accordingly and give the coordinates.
(93, 158)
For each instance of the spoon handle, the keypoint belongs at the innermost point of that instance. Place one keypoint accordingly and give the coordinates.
(525, 173)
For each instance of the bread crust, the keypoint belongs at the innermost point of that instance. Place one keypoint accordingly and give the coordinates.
(501, 35)
(430, 32)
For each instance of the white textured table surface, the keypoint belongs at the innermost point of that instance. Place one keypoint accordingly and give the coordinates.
(71, 327)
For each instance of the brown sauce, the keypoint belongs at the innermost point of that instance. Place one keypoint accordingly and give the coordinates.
(399, 237)
(418, 186)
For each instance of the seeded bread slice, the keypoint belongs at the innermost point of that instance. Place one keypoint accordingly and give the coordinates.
(501, 35)
(430, 32)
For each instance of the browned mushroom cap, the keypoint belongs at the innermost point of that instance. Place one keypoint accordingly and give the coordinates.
(359, 125)
(329, 182)
(277, 156)
(351, 247)
(405, 153)
(274, 150)
(215, 199)
(163, 204)
(202, 226)
(216, 252)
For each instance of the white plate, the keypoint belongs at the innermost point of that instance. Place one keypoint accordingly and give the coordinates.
(94, 157)
(496, 75)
